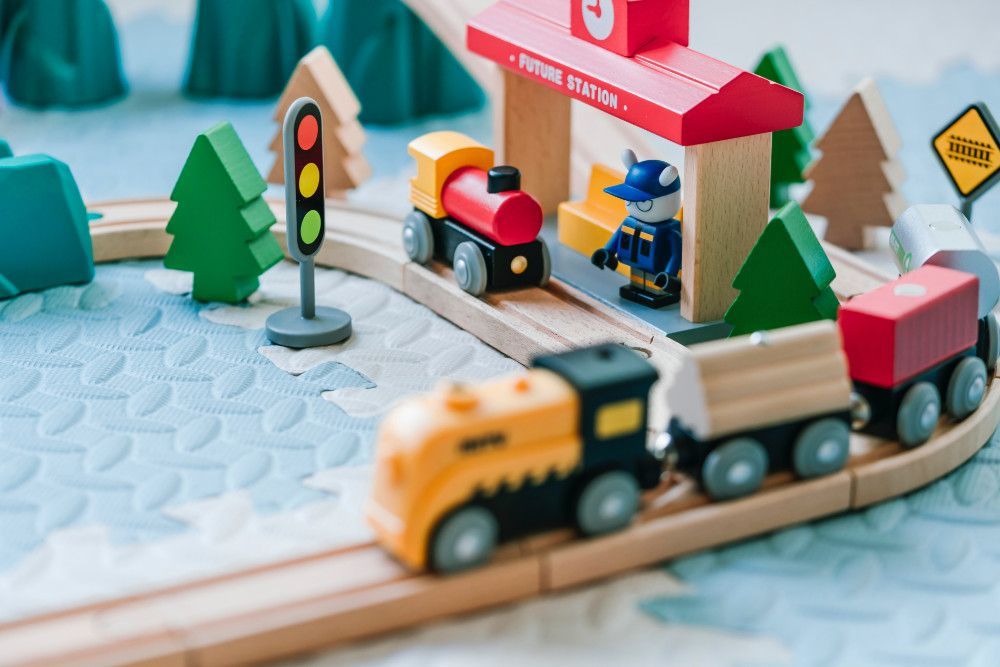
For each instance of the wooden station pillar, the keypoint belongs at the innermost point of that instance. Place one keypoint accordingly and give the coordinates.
(535, 128)
(726, 195)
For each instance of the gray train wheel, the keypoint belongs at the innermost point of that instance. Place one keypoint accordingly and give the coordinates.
(465, 539)
(607, 503)
(418, 239)
(822, 448)
(470, 268)
(966, 388)
(734, 469)
(918, 414)
(546, 264)
(992, 340)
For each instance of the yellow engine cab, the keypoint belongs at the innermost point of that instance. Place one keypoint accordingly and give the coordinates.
(520, 449)
(437, 156)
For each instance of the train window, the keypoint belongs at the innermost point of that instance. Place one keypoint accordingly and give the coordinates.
(617, 419)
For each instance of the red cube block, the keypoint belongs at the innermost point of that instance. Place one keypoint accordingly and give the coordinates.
(626, 26)
(901, 329)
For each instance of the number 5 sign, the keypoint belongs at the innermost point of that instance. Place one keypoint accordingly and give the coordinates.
(626, 26)
(599, 18)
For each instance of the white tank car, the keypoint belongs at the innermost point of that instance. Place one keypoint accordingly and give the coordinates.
(939, 234)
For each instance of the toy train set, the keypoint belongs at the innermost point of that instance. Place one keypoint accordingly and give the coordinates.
(618, 447)
(466, 468)
(350, 592)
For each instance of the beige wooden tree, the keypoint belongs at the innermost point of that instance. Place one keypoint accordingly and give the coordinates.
(857, 178)
(317, 76)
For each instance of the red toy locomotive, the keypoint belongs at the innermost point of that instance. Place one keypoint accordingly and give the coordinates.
(474, 216)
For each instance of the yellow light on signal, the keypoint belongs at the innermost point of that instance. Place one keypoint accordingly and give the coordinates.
(309, 180)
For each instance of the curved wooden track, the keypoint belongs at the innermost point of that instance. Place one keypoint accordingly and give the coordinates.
(301, 605)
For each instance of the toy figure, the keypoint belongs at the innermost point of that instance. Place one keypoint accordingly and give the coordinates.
(649, 239)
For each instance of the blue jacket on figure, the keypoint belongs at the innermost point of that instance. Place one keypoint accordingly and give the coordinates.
(650, 247)
(649, 239)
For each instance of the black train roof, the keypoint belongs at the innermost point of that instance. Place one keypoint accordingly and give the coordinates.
(600, 366)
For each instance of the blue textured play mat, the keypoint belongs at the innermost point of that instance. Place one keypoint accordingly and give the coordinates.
(117, 400)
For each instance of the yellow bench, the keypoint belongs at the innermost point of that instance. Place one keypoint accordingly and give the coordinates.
(587, 225)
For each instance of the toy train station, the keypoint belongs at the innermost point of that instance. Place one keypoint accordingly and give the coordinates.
(630, 59)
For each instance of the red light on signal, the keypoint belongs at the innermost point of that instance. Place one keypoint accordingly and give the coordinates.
(308, 132)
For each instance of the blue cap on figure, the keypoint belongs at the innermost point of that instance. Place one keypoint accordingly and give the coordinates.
(645, 180)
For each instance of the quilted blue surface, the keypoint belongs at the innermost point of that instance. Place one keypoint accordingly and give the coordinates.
(912, 581)
(118, 401)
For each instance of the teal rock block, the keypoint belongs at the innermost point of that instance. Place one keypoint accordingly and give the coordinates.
(61, 53)
(5, 150)
(397, 67)
(248, 49)
(44, 237)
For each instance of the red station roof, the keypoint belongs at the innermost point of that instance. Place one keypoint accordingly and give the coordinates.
(666, 88)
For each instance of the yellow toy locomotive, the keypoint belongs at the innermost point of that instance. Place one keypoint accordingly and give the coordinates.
(473, 216)
(464, 468)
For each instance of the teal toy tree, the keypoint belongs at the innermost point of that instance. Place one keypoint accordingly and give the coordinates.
(8, 10)
(397, 67)
(785, 279)
(790, 154)
(248, 49)
(61, 53)
(221, 226)
(5, 149)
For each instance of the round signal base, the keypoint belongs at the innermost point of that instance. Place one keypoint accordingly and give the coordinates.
(287, 327)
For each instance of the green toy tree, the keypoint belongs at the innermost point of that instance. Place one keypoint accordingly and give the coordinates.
(790, 154)
(397, 67)
(785, 279)
(5, 149)
(248, 49)
(221, 226)
(61, 53)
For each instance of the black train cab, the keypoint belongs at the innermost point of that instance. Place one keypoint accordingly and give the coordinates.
(613, 384)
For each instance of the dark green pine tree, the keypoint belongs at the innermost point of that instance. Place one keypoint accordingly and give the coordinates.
(785, 279)
(397, 67)
(60, 52)
(221, 226)
(790, 153)
(248, 48)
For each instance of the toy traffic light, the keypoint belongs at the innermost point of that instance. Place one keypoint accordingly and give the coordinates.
(305, 204)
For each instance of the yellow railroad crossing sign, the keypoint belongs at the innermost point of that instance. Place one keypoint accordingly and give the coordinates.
(969, 150)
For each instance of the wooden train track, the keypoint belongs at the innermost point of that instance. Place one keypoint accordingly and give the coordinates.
(304, 604)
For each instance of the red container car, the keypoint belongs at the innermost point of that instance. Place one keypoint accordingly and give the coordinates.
(911, 346)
